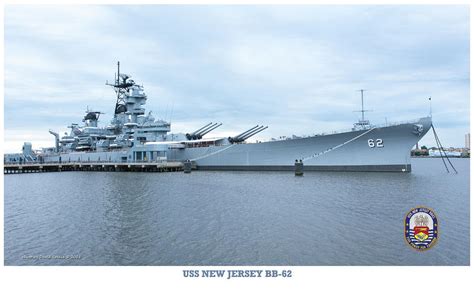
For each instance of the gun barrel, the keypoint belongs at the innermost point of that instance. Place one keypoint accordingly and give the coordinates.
(200, 129)
(256, 131)
(247, 134)
(192, 136)
(243, 133)
(212, 128)
(200, 133)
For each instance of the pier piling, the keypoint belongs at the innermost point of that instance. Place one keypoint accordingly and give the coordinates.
(298, 167)
(187, 166)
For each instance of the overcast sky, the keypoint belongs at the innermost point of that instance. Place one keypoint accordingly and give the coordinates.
(296, 69)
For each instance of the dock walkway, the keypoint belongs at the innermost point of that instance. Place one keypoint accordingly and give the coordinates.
(93, 166)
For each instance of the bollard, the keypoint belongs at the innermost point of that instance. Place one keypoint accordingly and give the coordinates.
(298, 167)
(187, 166)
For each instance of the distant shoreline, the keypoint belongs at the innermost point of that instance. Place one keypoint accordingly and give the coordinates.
(438, 157)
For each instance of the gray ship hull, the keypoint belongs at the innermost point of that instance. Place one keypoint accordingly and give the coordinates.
(385, 148)
(349, 151)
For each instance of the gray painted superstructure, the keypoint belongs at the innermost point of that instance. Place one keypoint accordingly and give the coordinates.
(133, 136)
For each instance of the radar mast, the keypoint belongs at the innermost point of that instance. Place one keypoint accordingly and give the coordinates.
(362, 123)
(121, 86)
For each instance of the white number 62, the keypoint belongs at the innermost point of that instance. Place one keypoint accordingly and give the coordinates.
(377, 143)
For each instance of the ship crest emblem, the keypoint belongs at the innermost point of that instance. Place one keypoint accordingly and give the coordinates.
(421, 228)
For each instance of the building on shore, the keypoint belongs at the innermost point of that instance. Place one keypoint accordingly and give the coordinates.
(448, 152)
(435, 152)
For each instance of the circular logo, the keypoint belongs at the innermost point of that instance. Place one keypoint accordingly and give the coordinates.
(421, 228)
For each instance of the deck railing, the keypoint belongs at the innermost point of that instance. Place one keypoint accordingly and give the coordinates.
(384, 125)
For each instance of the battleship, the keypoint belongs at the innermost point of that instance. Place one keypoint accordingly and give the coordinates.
(134, 136)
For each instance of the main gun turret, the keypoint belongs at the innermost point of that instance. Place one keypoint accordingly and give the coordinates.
(199, 133)
(247, 134)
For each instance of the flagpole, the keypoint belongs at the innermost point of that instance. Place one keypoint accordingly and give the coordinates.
(430, 107)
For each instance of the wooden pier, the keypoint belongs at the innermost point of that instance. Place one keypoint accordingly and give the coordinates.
(93, 166)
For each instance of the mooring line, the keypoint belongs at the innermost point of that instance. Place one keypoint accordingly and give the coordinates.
(441, 151)
(336, 147)
(213, 153)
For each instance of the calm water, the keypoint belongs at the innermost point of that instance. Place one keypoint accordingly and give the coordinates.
(233, 218)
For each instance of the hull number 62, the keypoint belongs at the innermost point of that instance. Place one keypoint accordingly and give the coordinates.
(375, 143)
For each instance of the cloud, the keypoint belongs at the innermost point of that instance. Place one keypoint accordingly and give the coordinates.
(294, 68)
